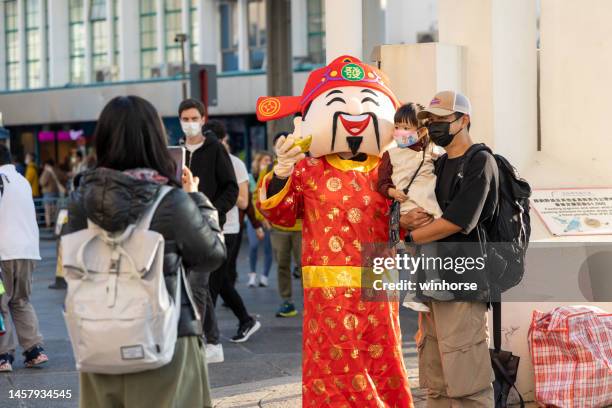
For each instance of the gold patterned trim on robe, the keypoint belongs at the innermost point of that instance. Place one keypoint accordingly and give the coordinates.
(272, 202)
(345, 165)
(331, 276)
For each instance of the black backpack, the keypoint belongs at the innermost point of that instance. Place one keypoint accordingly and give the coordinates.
(505, 236)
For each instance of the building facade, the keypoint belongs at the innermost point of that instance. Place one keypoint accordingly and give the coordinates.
(64, 59)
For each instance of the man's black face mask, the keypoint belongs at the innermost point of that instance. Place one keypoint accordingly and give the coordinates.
(439, 132)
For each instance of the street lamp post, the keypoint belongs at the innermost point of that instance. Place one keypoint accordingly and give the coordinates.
(182, 39)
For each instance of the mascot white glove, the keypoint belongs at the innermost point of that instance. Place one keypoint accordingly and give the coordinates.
(287, 153)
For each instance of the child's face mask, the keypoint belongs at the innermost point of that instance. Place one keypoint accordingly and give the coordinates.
(405, 138)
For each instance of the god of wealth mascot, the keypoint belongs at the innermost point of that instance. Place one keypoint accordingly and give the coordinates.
(352, 353)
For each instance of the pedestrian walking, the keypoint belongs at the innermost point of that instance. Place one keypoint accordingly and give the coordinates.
(133, 166)
(18, 255)
(208, 160)
(259, 237)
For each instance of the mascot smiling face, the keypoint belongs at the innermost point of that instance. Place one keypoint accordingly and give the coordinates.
(346, 107)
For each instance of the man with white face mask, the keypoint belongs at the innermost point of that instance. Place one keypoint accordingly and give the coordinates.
(209, 161)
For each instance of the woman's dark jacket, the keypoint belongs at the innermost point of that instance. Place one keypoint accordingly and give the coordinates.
(188, 223)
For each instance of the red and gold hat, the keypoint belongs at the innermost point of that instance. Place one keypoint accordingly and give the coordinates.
(343, 71)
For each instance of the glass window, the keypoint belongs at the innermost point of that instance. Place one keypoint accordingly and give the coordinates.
(173, 26)
(316, 31)
(77, 41)
(228, 13)
(148, 41)
(194, 32)
(12, 44)
(257, 33)
(33, 46)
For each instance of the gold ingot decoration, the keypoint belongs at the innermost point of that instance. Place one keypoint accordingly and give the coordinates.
(355, 185)
(345, 228)
(367, 199)
(327, 370)
(361, 306)
(394, 382)
(350, 321)
(375, 350)
(349, 292)
(354, 353)
(313, 326)
(322, 199)
(359, 382)
(330, 322)
(338, 308)
(333, 184)
(324, 259)
(373, 320)
(314, 245)
(343, 337)
(347, 259)
(339, 383)
(329, 293)
(303, 143)
(312, 184)
(346, 368)
(327, 229)
(357, 245)
(354, 215)
(344, 279)
(318, 386)
(335, 353)
(336, 243)
(345, 198)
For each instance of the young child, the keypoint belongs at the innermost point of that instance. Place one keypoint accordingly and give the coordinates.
(411, 163)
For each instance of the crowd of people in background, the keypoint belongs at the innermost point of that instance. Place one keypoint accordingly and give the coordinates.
(218, 182)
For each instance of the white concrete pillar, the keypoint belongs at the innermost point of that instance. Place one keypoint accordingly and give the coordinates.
(110, 23)
(88, 77)
(500, 37)
(23, 49)
(59, 43)
(299, 28)
(343, 28)
(404, 19)
(129, 40)
(42, 23)
(208, 34)
(161, 35)
(2, 53)
(243, 36)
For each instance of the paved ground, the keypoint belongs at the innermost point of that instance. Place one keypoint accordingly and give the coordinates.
(262, 372)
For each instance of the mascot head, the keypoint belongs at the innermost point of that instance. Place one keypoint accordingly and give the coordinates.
(346, 107)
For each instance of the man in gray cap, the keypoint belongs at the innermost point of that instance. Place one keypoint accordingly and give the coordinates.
(454, 360)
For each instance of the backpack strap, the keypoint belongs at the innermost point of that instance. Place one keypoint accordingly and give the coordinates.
(416, 173)
(145, 220)
(471, 152)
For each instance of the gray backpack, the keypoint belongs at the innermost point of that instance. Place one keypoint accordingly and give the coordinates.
(120, 316)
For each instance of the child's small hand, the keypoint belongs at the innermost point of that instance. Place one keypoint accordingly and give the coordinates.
(398, 195)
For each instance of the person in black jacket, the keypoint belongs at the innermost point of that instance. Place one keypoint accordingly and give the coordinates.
(207, 159)
(133, 162)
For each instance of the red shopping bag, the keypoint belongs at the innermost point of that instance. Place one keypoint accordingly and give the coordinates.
(571, 351)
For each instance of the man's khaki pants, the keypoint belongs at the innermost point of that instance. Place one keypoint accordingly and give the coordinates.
(17, 311)
(454, 362)
(285, 244)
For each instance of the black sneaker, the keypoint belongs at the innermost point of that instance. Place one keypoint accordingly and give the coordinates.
(245, 331)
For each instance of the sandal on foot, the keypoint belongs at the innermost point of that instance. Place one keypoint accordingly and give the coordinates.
(6, 363)
(35, 357)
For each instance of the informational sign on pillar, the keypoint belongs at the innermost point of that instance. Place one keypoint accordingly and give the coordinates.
(203, 84)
